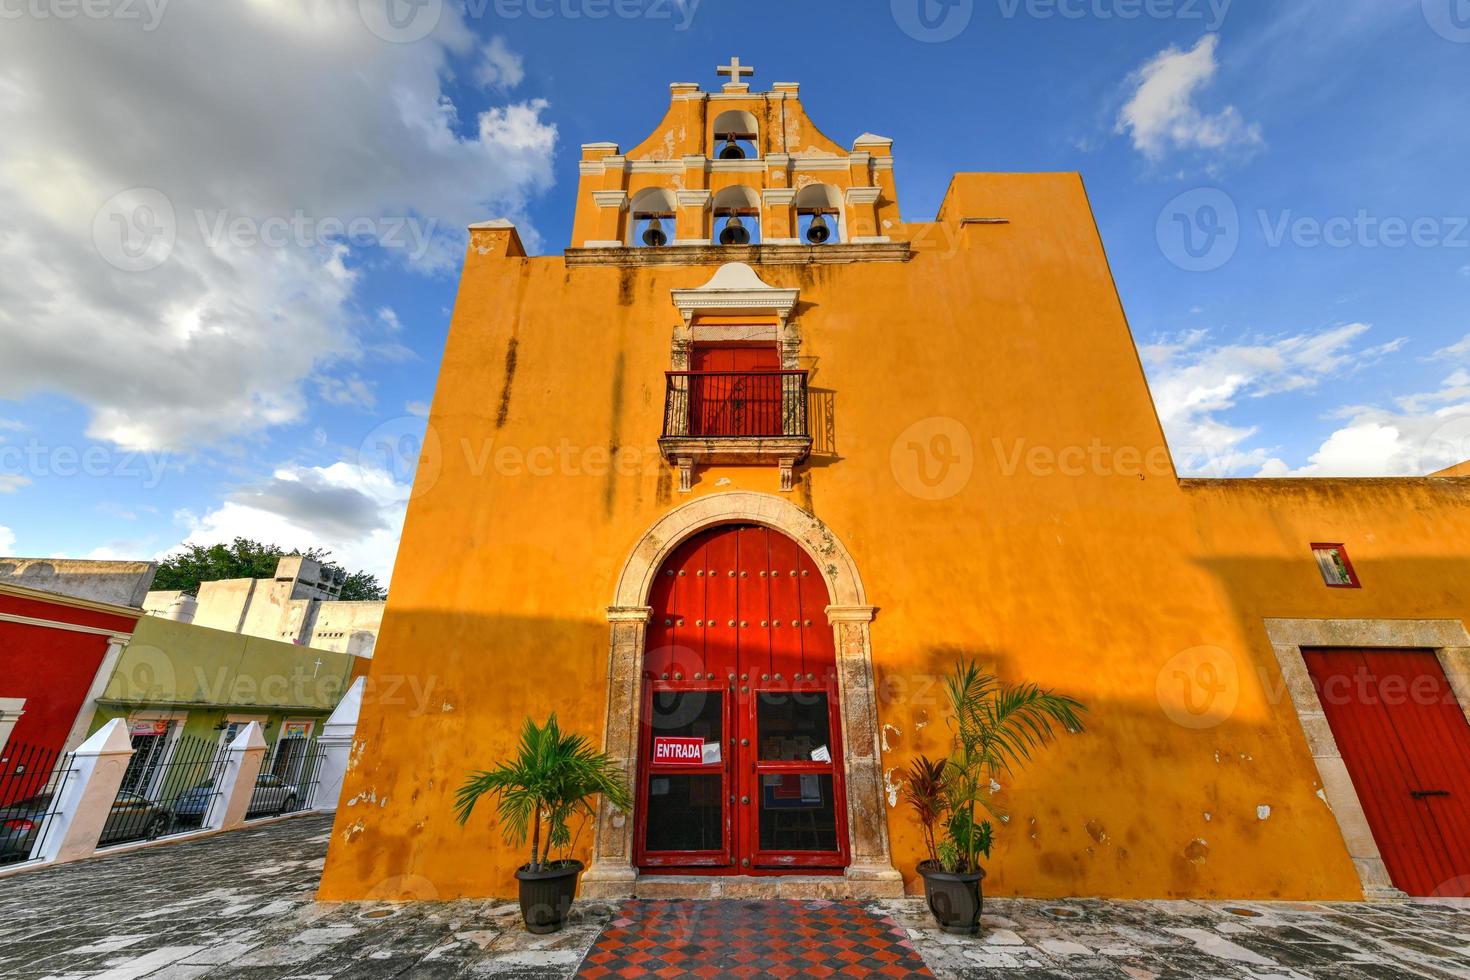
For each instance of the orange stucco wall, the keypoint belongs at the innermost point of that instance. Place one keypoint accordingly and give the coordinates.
(1064, 550)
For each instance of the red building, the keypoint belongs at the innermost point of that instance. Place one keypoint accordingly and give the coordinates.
(56, 653)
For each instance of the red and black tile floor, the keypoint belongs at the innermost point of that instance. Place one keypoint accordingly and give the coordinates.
(734, 938)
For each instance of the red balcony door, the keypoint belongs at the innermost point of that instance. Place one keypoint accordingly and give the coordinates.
(1406, 743)
(735, 390)
(740, 757)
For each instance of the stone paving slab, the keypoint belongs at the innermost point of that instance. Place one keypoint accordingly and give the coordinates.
(241, 905)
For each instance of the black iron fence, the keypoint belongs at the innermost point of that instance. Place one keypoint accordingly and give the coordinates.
(735, 404)
(171, 786)
(288, 778)
(31, 782)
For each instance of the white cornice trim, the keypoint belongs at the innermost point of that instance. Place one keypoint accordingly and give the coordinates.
(736, 287)
(611, 199)
(820, 163)
(656, 166)
(756, 166)
(778, 195)
(56, 624)
(863, 195)
(693, 199)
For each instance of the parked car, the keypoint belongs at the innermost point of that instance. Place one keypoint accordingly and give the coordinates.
(271, 797)
(132, 818)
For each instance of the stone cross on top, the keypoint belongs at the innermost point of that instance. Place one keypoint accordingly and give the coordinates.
(736, 71)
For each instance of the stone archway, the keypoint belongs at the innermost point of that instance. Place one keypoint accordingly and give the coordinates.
(871, 873)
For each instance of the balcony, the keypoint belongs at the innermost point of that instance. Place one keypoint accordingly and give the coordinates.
(741, 418)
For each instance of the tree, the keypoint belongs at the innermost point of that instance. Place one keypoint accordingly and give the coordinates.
(244, 558)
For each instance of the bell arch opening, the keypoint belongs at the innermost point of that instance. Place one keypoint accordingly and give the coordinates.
(652, 218)
(736, 134)
(868, 870)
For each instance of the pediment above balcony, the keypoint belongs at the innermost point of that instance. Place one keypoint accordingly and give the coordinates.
(736, 289)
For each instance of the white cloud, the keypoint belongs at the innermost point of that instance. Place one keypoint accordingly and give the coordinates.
(11, 482)
(1162, 114)
(7, 541)
(354, 510)
(1423, 433)
(349, 392)
(499, 68)
(419, 409)
(254, 110)
(1195, 383)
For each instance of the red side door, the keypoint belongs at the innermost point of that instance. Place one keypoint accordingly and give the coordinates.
(1406, 743)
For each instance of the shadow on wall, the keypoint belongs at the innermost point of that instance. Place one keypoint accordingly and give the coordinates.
(1165, 796)
(1160, 798)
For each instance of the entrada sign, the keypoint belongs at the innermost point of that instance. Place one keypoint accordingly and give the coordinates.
(678, 751)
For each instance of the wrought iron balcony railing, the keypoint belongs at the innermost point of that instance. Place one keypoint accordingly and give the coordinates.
(735, 405)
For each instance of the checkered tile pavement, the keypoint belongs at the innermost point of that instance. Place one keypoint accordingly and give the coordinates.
(751, 939)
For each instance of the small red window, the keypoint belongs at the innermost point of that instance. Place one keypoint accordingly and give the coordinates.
(1337, 569)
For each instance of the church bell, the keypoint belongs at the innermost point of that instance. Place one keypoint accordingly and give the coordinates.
(731, 150)
(818, 233)
(654, 235)
(735, 232)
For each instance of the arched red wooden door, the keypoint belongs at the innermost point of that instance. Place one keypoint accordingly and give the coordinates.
(740, 765)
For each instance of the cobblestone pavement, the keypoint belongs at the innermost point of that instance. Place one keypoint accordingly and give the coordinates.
(241, 905)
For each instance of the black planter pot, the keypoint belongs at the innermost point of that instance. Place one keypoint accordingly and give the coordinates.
(955, 899)
(546, 896)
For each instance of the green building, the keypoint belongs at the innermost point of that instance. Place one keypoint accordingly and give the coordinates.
(185, 692)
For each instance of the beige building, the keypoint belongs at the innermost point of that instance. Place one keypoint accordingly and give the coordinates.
(299, 605)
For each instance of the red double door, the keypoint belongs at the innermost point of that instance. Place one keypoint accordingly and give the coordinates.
(740, 765)
(1406, 744)
(735, 390)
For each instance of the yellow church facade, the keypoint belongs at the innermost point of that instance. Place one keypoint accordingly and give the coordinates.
(731, 483)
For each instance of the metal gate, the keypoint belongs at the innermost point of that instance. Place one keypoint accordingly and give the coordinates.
(31, 781)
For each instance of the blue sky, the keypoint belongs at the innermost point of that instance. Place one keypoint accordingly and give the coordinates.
(229, 380)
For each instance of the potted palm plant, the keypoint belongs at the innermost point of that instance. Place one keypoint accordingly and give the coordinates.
(996, 727)
(553, 778)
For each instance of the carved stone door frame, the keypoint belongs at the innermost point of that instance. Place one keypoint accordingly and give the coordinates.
(871, 873)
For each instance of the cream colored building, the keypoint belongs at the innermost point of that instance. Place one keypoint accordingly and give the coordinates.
(299, 605)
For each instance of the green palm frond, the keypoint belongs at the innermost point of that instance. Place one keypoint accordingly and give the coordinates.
(552, 779)
(997, 728)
